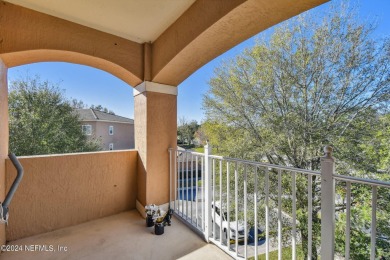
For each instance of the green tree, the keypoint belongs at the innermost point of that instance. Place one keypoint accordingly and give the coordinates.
(79, 104)
(186, 130)
(42, 121)
(200, 136)
(102, 109)
(370, 139)
(378, 148)
(316, 81)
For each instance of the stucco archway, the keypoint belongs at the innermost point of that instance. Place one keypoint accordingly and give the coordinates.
(193, 37)
(43, 55)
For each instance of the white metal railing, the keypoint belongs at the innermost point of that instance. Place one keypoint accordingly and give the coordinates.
(187, 180)
(374, 184)
(219, 196)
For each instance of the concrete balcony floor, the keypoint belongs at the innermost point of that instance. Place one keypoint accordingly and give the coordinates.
(121, 236)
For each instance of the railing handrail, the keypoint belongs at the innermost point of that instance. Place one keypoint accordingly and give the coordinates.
(210, 172)
(254, 163)
(361, 180)
(274, 166)
(185, 151)
(287, 168)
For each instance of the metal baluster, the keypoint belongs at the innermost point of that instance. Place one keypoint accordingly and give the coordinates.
(309, 212)
(196, 191)
(181, 195)
(186, 185)
(245, 217)
(220, 199)
(228, 204)
(256, 224)
(279, 214)
(203, 192)
(373, 222)
(214, 202)
(176, 179)
(192, 187)
(266, 214)
(236, 201)
(294, 212)
(348, 222)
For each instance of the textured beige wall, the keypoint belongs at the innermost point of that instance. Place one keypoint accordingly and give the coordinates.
(155, 116)
(3, 136)
(140, 136)
(206, 30)
(210, 28)
(28, 36)
(162, 134)
(58, 191)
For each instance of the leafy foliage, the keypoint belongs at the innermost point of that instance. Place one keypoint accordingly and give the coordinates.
(186, 130)
(42, 121)
(79, 104)
(315, 82)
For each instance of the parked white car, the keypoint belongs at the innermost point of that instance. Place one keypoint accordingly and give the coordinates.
(232, 224)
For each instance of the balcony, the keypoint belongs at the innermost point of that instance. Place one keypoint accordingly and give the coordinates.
(121, 236)
(252, 200)
(84, 206)
(152, 47)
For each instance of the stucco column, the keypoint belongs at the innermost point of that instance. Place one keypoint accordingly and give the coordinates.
(3, 136)
(155, 130)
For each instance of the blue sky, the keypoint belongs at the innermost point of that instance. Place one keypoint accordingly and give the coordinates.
(94, 86)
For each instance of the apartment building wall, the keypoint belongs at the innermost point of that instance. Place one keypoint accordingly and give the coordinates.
(122, 137)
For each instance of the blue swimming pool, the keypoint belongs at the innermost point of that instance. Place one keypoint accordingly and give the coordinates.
(187, 193)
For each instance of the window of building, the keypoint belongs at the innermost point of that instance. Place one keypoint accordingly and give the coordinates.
(111, 130)
(111, 146)
(87, 129)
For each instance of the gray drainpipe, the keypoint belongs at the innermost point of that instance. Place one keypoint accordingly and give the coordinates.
(12, 190)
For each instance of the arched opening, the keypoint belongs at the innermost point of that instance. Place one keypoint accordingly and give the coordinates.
(157, 109)
(83, 185)
(101, 100)
(19, 58)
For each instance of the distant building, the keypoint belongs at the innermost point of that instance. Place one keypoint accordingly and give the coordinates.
(115, 132)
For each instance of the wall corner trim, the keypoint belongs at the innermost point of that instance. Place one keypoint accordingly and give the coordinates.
(149, 86)
(140, 208)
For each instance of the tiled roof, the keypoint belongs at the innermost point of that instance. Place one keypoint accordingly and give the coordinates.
(96, 115)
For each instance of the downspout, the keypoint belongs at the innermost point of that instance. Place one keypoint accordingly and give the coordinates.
(12, 190)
